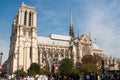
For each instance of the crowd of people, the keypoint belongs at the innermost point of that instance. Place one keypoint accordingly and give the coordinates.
(110, 76)
(56, 76)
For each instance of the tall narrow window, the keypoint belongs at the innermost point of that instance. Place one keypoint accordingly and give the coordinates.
(30, 19)
(30, 51)
(25, 18)
(38, 55)
(30, 54)
(24, 32)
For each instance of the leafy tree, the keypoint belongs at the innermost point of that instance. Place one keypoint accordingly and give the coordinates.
(91, 63)
(31, 73)
(34, 69)
(88, 59)
(42, 71)
(75, 71)
(66, 66)
(20, 73)
(89, 68)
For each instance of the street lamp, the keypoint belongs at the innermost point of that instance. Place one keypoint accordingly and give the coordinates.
(1, 57)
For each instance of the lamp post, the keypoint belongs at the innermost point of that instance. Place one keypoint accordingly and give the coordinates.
(1, 58)
(1, 61)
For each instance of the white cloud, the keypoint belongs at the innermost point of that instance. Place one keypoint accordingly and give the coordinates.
(102, 22)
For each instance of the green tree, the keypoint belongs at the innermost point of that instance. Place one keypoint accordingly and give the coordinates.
(31, 73)
(42, 71)
(34, 69)
(75, 71)
(20, 73)
(66, 66)
(89, 68)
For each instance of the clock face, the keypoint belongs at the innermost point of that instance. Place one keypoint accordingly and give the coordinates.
(85, 50)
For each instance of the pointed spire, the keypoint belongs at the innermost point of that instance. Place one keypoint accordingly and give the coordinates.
(71, 22)
(71, 32)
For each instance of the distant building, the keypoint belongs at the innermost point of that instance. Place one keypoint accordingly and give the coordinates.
(27, 47)
(111, 63)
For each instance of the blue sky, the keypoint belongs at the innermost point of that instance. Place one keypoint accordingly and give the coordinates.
(99, 17)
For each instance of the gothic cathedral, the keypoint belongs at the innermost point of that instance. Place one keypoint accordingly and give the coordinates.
(26, 47)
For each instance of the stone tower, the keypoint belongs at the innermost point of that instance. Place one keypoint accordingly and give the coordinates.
(23, 41)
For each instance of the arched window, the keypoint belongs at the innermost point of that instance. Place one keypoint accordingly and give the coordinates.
(30, 18)
(39, 55)
(25, 18)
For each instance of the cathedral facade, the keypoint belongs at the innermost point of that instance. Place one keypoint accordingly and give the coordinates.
(27, 47)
